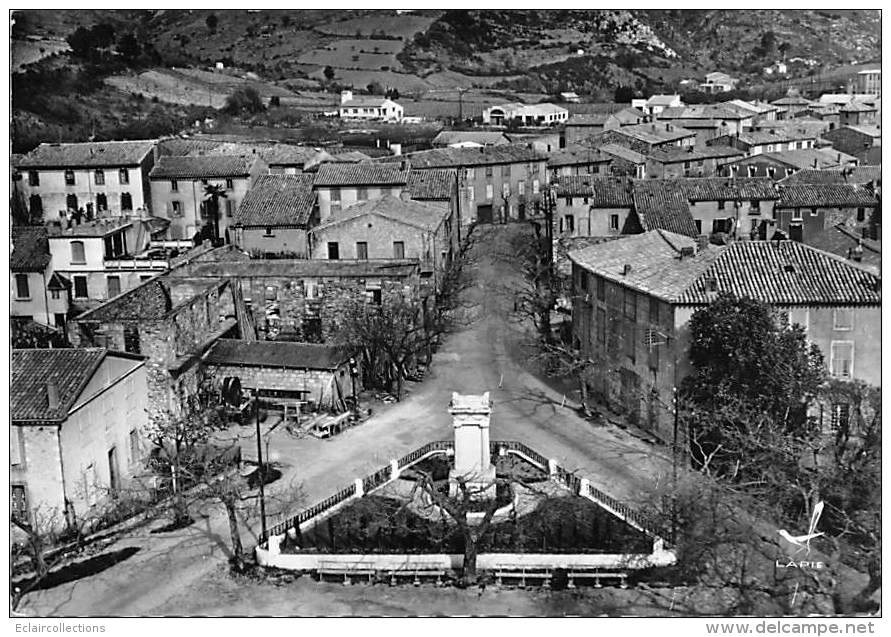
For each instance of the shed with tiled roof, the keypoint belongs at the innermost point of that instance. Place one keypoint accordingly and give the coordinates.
(365, 174)
(661, 207)
(88, 155)
(203, 167)
(435, 184)
(278, 201)
(32, 370)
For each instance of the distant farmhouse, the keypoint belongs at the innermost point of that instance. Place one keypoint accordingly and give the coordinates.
(369, 107)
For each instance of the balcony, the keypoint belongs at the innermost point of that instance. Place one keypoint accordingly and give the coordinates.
(135, 263)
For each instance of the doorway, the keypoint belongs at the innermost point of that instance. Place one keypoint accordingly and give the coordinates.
(484, 213)
(114, 477)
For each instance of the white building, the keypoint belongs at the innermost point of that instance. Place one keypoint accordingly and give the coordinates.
(525, 114)
(657, 103)
(369, 107)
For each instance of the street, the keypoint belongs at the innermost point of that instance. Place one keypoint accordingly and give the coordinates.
(484, 355)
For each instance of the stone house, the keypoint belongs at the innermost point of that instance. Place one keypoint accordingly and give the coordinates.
(339, 186)
(741, 208)
(729, 120)
(782, 164)
(863, 142)
(275, 215)
(644, 138)
(755, 142)
(805, 211)
(103, 257)
(36, 291)
(178, 189)
(792, 104)
(497, 183)
(634, 298)
(78, 419)
(625, 162)
(171, 320)
(306, 372)
(858, 114)
(584, 162)
(583, 126)
(303, 298)
(92, 176)
(594, 207)
(689, 161)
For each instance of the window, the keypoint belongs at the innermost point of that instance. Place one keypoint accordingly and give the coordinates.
(77, 252)
(721, 225)
(126, 201)
(488, 171)
(15, 446)
(333, 251)
(521, 187)
(99, 177)
(813, 212)
(398, 250)
(630, 349)
(80, 287)
(630, 304)
(362, 194)
(490, 193)
(583, 281)
(755, 205)
(468, 173)
(335, 195)
(230, 207)
(269, 231)
(131, 339)
(614, 222)
(601, 326)
(33, 178)
(134, 445)
(569, 201)
(861, 214)
(56, 294)
(35, 205)
(69, 178)
(202, 210)
(114, 286)
(654, 311)
(362, 250)
(470, 194)
(376, 296)
(177, 207)
(101, 202)
(229, 184)
(796, 214)
(840, 415)
(842, 319)
(18, 503)
(841, 359)
(174, 185)
(535, 186)
(123, 176)
(698, 223)
(22, 289)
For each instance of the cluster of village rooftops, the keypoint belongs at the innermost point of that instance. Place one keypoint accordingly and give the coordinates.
(166, 264)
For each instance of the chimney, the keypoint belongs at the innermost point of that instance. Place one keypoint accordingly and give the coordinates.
(626, 270)
(856, 253)
(403, 164)
(702, 242)
(52, 394)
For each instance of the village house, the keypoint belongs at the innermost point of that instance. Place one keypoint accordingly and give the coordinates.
(689, 161)
(496, 183)
(625, 162)
(473, 139)
(104, 257)
(179, 185)
(845, 242)
(77, 432)
(339, 186)
(728, 121)
(281, 158)
(717, 82)
(634, 298)
(869, 81)
(388, 228)
(792, 103)
(438, 187)
(655, 104)
(543, 114)
(36, 292)
(757, 110)
(304, 298)
(275, 215)
(582, 126)
(644, 138)
(766, 141)
(109, 177)
(660, 205)
(781, 164)
(804, 211)
(863, 142)
(171, 320)
(858, 175)
(369, 107)
(583, 161)
(594, 207)
(828, 114)
(741, 208)
(300, 372)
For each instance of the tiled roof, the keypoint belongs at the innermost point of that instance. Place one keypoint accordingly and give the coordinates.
(857, 175)
(147, 302)
(361, 175)
(278, 200)
(575, 186)
(654, 257)
(281, 354)
(726, 189)
(187, 146)
(31, 369)
(30, 249)
(273, 154)
(316, 268)
(655, 132)
(413, 213)
(611, 192)
(791, 100)
(794, 129)
(776, 272)
(857, 107)
(617, 150)
(465, 157)
(660, 99)
(674, 154)
(870, 131)
(589, 119)
(349, 156)
(825, 196)
(94, 228)
(750, 108)
(807, 157)
(88, 154)
(785, 273)
(662, 206)
(701, 111)
(447, 137)
(435, 184)
(205, 167)
(577, 157)
(840, 241)
(365, 102)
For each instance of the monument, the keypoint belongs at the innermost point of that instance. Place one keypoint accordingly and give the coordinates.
(473, 460)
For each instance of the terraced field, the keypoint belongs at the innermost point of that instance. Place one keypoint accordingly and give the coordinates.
(400, 26)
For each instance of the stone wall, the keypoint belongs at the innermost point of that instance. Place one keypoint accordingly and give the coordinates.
(316, 383)
(40, 471)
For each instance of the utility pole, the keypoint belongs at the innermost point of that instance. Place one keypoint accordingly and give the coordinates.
(261, 468)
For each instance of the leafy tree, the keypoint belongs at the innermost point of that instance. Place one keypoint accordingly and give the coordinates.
(211, 21)
(275, 100)
(82, 43)
(536, 291)
(328, 73)
(103, 35)
(128, 47)
(244, 100)
(624, 94)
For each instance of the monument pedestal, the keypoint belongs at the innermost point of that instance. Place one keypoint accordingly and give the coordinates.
(473, 461)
